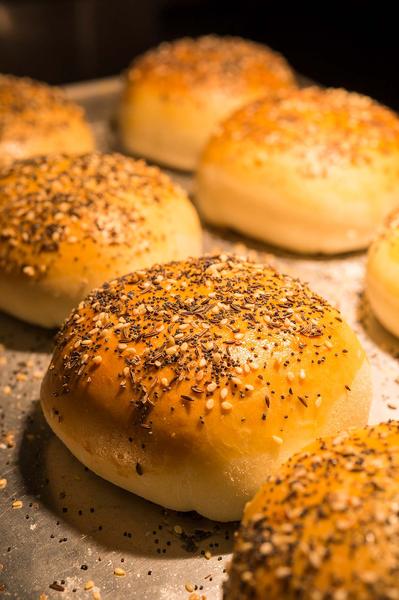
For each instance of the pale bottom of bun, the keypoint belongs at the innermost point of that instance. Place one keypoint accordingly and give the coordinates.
(158, 150)
(30, 301)
(283, 219)
(48, 303)
(160, 134)
(182, 481)
(384, 301)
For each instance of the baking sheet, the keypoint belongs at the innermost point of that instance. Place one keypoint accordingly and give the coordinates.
(64, 531)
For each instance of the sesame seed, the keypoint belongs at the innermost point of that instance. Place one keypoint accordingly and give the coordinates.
(211, 387)
(266, 548)
(3, 483)
(28, 270)
(119, 572)
(17, 504)
(171, 350)
(226, 406)
(89, 585)
(98, 359)
(209, 404)
(223, 393)
(200, 375)
(177, 529)
(277, 439)
(282, 572)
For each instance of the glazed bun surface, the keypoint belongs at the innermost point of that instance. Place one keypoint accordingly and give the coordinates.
(314, 171)
(382, 281)
(176, 93)
(327, 526)
(67, 224)
(189, 383)
(36, 119)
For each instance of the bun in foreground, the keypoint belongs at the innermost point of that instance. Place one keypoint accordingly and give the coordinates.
(326, 527)
(188, 383)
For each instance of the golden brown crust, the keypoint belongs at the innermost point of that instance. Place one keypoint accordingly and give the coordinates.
(51, 203)
(84, 219)
(326, 527)
(38, 119)
(312, 170)
(176, 94)
(321, 127)
(214, 359)
(212, 63)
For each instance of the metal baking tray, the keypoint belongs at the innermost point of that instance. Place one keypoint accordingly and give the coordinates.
(64, 531)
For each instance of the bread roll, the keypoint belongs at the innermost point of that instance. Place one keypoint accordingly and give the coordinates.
(189, 383)
(67, 224)
(314, 171)
(175, 94)
(382, 281)
(37, 119)
(327, 526)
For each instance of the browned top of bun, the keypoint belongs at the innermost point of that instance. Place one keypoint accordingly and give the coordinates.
(155, 346)
(211, 62)
(70, 206)
(25, 104)
(327, 525)
(320, 126)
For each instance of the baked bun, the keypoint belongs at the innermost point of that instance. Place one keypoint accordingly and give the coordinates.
(36, 119)
(312, 171)
(175, 94)
(327, 526)
(67, 224)
(382, 281)
(189, 383)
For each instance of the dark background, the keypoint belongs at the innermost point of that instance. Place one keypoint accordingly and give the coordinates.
(350, 44)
